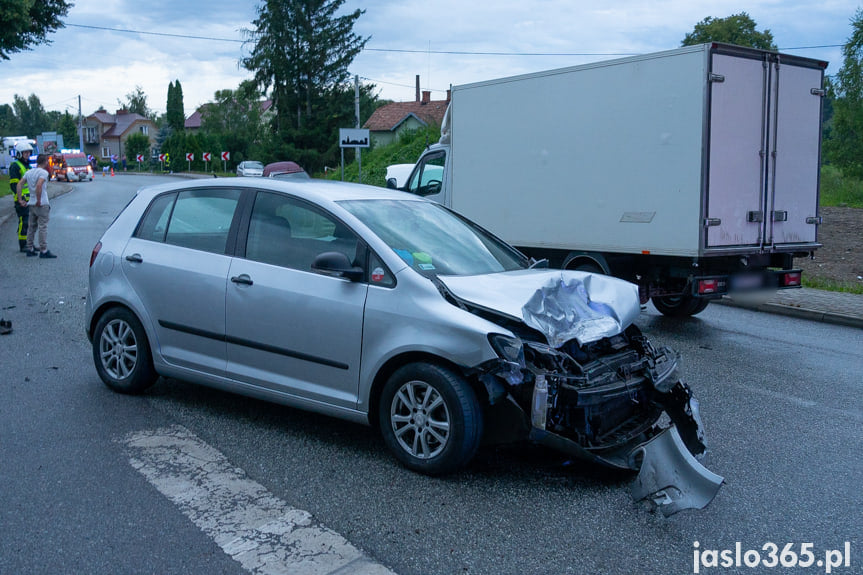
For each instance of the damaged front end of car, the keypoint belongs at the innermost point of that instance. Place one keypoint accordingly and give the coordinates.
(588, 385)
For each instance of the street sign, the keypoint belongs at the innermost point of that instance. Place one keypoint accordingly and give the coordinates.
(206, 156)
(139, 157)
(353, 138)
(190, 157)
(161, 157)
(226, 156)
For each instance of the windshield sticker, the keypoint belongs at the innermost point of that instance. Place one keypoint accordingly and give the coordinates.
(406, 256)
(378, 275)
(425, 267)
(422, 258)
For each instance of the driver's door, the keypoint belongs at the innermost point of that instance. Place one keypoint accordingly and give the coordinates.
(427, 179)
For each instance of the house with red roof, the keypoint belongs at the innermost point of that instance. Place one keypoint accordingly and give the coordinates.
(193, 122)
(105, 134)
(390, 120)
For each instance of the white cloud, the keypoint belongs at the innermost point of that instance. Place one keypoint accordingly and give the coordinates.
(103, 66)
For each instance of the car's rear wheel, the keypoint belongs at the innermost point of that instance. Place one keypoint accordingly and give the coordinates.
(121, 352)
(430, 418)
(679, 305)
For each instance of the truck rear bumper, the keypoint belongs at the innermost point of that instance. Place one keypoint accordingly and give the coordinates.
(718, 285)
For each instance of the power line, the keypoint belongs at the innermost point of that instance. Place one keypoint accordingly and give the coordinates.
(408, 51)
(183, 36)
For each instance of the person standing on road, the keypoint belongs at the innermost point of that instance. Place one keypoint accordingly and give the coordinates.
(40, 208)
(16, 173)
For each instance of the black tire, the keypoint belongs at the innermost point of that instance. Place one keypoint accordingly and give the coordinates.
(121, 352)
(430, 419)
(679, 305)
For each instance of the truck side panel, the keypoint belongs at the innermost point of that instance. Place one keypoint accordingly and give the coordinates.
(606, 157)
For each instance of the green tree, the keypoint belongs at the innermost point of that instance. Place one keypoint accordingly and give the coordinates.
(234, 122)
(302, 50)
(137, 143)
(8, 121)
(174, 113)
(136, 103)
(67, 126)
(736, 29)
(24, 23)
(32, 118)
(844, 148)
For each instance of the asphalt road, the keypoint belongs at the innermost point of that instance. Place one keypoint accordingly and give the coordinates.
(781, 399)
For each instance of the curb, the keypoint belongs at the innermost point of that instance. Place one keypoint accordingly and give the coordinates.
(795, 311)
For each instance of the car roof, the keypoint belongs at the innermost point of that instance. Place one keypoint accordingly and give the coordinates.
(323, 192)
(282, 168)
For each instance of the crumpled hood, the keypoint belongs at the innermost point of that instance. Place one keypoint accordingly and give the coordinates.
(561, 304)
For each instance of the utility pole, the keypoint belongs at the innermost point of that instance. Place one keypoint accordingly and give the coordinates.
(80, 126)
(357, 113)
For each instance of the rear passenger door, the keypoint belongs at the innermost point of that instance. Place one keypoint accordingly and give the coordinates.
(291, 330)
(178, 267)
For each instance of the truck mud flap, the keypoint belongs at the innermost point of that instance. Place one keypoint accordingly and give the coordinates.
(670, 477)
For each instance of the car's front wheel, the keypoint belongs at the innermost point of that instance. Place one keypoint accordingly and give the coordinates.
(430, 418)
(121, 352)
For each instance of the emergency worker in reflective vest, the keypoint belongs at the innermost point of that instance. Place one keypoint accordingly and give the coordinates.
(16, 174)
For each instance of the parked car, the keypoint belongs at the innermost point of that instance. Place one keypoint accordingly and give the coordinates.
(397, 175)
(250, 168)
(285, 171)
(389, 310)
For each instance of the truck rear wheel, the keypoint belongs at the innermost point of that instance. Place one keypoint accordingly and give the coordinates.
(679, 305)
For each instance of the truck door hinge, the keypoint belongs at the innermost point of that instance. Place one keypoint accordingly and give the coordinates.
(712, 222)
(719, 78)
(780, 216)
(755, 216)
(816, 220)
(818, 92)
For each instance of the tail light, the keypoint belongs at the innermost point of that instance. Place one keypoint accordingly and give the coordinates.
(707, 286)
(95, 253)
(792, 279)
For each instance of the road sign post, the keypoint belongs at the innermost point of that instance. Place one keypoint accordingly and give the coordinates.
(353, 138)
(225, 157)
(206, 157)
(189, 158)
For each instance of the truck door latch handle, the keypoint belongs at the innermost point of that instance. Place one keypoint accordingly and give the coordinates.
(816, 220)
(780, 216)
(711, 222)
(755, 217)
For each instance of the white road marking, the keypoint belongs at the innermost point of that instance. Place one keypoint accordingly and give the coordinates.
(264, 534)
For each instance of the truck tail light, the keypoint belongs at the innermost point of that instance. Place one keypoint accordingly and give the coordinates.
(792, 279)
(708, 286)
(95, 253)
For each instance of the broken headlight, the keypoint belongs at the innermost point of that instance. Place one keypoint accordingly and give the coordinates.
(511, 351)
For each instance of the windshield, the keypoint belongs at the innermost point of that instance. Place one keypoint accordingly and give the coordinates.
(253, 165)
(433, 240)
(76, 161)
(291, 176)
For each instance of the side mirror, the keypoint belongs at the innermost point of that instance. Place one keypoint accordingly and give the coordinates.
(392, 184)
(337, 264)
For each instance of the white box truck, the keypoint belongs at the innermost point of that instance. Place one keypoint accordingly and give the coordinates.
(692, 172)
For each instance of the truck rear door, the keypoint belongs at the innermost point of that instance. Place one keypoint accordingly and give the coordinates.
(735, 188)
(764, 150)
(793, 182)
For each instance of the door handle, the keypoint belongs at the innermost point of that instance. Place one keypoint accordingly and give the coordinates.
(242, 279)
(136, 258)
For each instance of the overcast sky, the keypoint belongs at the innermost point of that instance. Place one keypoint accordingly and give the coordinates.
(408, 37)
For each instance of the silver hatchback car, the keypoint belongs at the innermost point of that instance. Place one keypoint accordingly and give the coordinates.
(385, 309)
